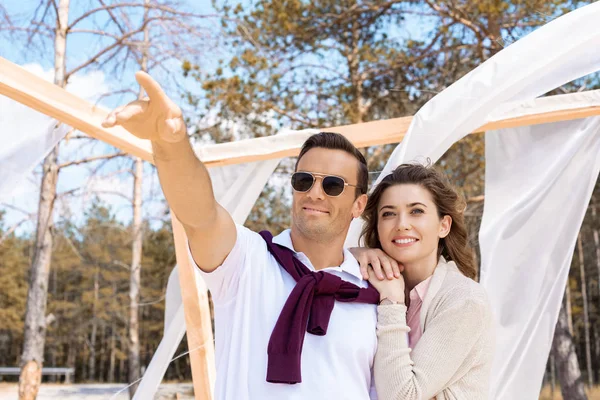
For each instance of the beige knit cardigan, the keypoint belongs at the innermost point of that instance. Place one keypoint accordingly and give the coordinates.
(452, 359)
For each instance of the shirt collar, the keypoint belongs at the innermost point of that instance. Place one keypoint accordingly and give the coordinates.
(349, 265)
(420, 290)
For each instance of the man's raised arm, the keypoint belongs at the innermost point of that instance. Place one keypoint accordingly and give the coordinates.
(184, 179)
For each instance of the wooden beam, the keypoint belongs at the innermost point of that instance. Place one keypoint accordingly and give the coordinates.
(541, 118)
(278, 146)
(197, 318)
(47, 98)
(26, 88)
(363, 135)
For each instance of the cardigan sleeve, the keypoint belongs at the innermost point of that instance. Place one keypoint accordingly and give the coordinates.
(445, 346)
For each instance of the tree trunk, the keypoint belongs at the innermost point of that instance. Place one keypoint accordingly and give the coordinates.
(113, 340)
(122, 375)
(597, 247)
(92, 360)
(569, 374)
(102, 364)
(586, 315)
(71, 359)
(569, 309)
(552, 374)
(597, 341)
(35, 314)
(136, 251)
(360, 108)
(53, 378)
(596, 244)
(134, 282)
(113, 353)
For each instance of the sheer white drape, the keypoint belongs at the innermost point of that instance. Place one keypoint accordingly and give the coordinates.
(26, 137)
(538, 183)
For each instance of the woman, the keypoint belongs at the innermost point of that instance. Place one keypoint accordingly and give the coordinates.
(434, 307)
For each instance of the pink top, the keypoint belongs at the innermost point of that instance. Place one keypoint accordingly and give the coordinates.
(413, 315)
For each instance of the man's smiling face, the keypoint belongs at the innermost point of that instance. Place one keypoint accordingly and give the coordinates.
(316, 215)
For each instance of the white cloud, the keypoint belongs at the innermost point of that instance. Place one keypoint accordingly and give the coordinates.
(89, 86)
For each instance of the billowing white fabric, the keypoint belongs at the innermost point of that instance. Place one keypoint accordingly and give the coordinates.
(539, 180)
(173, 299)
(27, 138)
(236, 188)
(547, 58)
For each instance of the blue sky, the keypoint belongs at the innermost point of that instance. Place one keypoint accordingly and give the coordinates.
(90, 84)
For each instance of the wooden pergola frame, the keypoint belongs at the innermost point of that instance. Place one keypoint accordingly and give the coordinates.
(45, 97)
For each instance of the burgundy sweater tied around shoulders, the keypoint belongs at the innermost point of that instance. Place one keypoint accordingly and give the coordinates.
(308, 308)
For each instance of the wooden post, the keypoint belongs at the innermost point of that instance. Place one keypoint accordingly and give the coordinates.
(197, 318)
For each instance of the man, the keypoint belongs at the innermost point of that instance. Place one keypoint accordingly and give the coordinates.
(263, 309)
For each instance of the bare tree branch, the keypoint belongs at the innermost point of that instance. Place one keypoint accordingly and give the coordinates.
(91, 159)
(138, 5)
(16, 208)
(15, 226)
(113, 17)
(99, 54)
(34, 32)
(454, 14)
(30, 30)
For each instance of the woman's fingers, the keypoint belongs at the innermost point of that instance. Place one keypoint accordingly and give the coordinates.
(363, 260)
(386, 266)
(376, 265)
(396, 268)
(377, 261)
(364, 269)
(371, 275)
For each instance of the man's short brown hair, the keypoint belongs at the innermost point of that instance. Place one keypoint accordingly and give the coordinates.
(335, 141)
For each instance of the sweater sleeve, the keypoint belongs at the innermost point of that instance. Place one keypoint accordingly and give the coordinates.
(445, 346)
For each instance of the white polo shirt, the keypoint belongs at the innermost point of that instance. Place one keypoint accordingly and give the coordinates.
(249, 291)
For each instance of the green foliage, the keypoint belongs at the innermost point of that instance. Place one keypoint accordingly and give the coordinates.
(96, 253)
(300, 64)
(14, 264)
(271, 211)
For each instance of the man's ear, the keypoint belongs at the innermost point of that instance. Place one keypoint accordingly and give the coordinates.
(359, 205)
(445, 225)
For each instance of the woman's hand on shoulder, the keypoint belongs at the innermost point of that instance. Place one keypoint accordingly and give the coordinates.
(392, 289)
(382, 265)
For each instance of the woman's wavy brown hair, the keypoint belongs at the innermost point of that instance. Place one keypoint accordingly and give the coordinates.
(454, 247)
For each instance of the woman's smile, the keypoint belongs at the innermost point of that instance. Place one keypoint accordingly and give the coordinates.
(404, 241)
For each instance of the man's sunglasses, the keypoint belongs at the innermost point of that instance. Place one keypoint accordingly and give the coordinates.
(332, 185)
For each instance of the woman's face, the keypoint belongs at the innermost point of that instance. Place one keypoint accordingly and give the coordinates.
(408, 224)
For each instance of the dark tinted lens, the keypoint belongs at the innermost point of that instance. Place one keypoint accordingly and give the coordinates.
(302, 182)
(333, 186)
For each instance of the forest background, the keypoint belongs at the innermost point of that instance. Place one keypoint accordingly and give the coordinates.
(238, 70)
